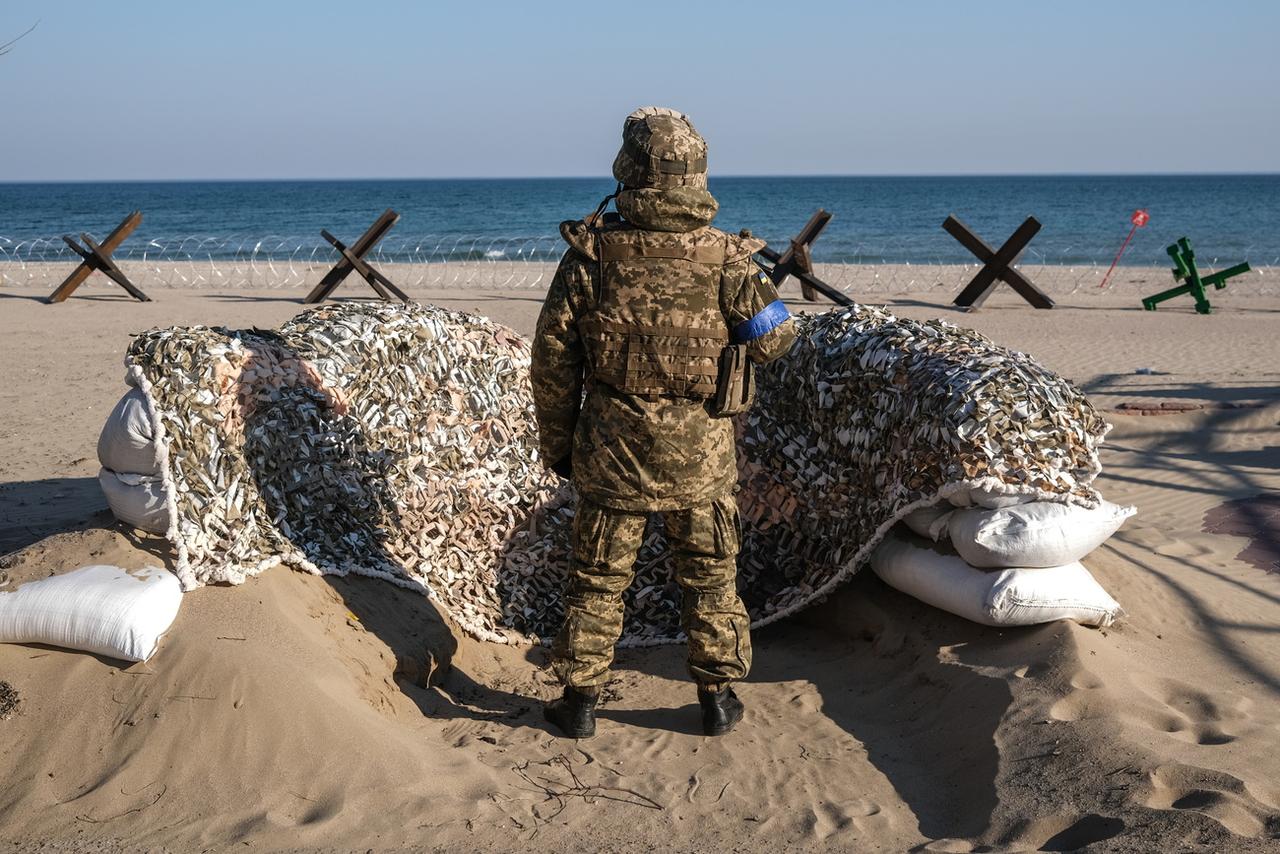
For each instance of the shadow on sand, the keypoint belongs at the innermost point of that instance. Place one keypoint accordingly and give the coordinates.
(32, 510)
(1215, 458)
(300, 483)
(872, 655)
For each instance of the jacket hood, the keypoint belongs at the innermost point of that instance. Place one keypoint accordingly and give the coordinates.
(668, 209)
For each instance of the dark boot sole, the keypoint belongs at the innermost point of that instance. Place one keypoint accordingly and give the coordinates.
(719, 730)
(722, 720)
(565, 731)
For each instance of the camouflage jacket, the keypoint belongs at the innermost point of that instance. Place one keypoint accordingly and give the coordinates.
(645, 452)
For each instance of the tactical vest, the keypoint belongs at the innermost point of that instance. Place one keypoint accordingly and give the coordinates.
(656, 327)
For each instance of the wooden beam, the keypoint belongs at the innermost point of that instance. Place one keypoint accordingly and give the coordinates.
(82, 272)
(357, 264)
(108, 268)
(809, 280)
(797, 261)
(997, 264)
(380, 283)
(343, 268)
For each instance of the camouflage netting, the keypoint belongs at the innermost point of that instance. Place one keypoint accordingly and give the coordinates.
(8, 700)
(399, 442)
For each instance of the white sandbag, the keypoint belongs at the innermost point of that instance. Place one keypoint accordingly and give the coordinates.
(930, 522)
(1006, 597)
(136, 499)
(127, 442)
(100, 609)
(1042, 533)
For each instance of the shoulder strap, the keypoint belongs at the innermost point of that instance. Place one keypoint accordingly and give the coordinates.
(592, 226)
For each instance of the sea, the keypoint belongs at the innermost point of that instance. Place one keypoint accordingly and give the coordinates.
(1085, 218)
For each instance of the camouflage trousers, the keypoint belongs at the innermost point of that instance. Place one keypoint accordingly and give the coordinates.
(704, 544)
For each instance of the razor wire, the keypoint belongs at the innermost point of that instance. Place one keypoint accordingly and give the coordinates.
(445, 262)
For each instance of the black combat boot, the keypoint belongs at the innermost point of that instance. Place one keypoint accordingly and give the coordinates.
(721, 710)
(574, 713)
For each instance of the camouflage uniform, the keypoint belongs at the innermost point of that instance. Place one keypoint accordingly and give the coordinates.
(638, 312)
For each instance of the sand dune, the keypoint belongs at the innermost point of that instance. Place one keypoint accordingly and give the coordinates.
(306, 712)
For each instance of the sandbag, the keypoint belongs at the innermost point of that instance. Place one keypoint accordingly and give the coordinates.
(100, 609)
(1041, 533)
(1021, 596)
(127, 442)
(932, 522)
(138, 500)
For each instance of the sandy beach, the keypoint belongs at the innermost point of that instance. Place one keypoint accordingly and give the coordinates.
(870, 282)
(298, 711)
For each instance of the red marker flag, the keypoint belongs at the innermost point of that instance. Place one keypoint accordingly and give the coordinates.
(1139, 218)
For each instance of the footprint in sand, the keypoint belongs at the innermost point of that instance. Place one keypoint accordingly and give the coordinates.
(1197, 716)
(1222, 797)
(828, 819)
(1086, 680)
(1069, 832)
(322, 809)
(1175, 708)
(295, 809)
(1034, 670)
(1086, 700)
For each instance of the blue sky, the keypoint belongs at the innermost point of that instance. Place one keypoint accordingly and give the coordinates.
(149, 90)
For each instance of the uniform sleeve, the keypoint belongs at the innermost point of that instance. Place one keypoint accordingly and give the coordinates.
(759, 318)
(558, 361)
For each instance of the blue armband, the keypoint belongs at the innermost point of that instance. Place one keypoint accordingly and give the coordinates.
(769, 318)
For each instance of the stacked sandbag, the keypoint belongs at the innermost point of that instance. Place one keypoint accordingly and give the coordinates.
(1037, 534)
(132, 459)
(1003, 559)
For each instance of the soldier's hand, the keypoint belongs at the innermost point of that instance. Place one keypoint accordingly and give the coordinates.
(564, 466)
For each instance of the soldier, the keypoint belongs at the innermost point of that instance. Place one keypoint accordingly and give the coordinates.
(641, 309)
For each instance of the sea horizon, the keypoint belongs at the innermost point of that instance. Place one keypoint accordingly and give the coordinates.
(735, 175)
(877, 218)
